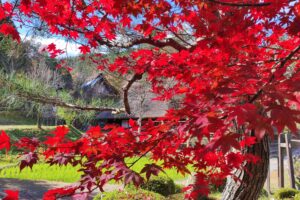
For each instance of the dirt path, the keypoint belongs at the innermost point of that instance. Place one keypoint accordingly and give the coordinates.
(34, 190)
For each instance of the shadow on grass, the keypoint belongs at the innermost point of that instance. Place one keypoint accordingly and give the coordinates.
(28, 189)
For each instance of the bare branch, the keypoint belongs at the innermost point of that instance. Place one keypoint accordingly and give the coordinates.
(53, 101)
(284, 61)
(156, 142)
(160, 44)
(240, 4)
(140, 40)
(59, 103)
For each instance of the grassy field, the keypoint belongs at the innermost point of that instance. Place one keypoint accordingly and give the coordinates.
(42, 171)
(69, 174)
(15, 118)
(22, 127)
(172, 173)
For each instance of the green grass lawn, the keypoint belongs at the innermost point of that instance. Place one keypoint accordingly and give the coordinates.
(69, 174)
(171, 173)
(42, 171)
(22, 127)
(15, 118)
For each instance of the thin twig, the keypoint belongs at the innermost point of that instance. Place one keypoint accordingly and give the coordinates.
(145, 153)
(282, 63)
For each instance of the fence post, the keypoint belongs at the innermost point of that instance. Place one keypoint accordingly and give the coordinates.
(280, 164)
(290, 159)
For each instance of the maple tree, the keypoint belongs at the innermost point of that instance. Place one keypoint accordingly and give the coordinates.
(235, 64)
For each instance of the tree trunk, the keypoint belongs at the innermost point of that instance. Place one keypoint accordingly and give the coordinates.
(251, 182)
(39, 120)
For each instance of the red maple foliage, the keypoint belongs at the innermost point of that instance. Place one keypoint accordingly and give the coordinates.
(11, 195)
(233, 63)
(4, 141)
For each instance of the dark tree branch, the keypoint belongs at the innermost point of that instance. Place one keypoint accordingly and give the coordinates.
(59, 103)
(180, 38)
(38, 98)
(126, 88)
(156, 142)
(156, 43)
(290, 56)
(282, 63)
(160, 44)
(240, 4)
(261, 62)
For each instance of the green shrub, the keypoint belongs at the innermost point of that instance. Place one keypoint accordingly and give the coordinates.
(16, 134)
(160, 184)
(296, 161)
(297, 196)
(217, 188)
(178, 189)
(130, 194)
(178, 196)
(15, 118)
(206, 198)
(285, 193)
(263, 193)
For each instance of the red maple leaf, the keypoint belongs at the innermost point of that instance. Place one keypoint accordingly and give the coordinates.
(94, 132)
(8, 29)
(126, 21)
(132, 177)
(151, 169)
(57, 193)
(11, 195)
(51, 47)
(27, 143)
(84, 49)
(248, 141)
(28, 160)
(4, 141)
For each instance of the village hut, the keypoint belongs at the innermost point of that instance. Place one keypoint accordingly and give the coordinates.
(140, 100)
(98, 87)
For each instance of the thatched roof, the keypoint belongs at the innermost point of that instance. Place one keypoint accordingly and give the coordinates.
(98, 87)
(150, 109)
(142, 103)
(140, 99)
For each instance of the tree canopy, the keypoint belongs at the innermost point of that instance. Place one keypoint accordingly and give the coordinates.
(235, 65)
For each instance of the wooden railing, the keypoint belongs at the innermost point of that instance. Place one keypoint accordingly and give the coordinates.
(284, 147)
